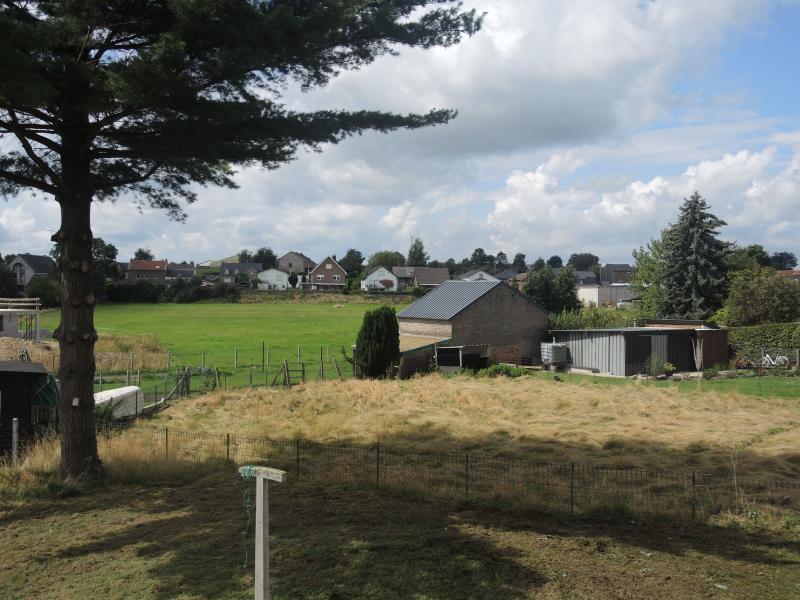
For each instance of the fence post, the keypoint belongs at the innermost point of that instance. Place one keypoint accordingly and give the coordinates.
(166, 442)
(14, 441)
(131, 369)
(251, 376)
(466, 474)
(268, 357)
(297, 457)
(203, 360)
(235, 358)
(263, 350)
(138, 377)
(127, 377)
(377, 464)
(329, 353)
(227, 446)
(572, 487)
(298, 353)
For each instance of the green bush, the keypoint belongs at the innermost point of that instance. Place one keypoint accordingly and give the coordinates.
(656, 365)
(502, 371)
(378, 342)
(593, 317)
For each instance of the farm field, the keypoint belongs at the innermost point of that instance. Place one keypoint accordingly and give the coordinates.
(636, 425)
(183, 539)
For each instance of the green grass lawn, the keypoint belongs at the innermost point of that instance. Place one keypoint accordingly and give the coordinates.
(188, 330)
(193, 540)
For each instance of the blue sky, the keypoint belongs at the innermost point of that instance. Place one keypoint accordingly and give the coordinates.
(582, 125)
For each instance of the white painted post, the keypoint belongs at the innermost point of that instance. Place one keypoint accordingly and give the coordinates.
(262, 475)
(14, 441)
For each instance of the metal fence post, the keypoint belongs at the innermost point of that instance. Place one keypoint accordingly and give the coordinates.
(572, 487)
(466, 474)
(227, 446)
(263, 352)
(14, 441)
(166, 442)
(297, 457)
(235, 358)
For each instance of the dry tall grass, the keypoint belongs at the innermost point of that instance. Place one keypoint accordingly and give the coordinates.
(525, 418)
(112, 352)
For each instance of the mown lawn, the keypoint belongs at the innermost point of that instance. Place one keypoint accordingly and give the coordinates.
(194, 541)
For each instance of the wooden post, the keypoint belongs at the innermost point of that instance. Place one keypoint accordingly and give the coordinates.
(329, 353)
(338, 370)
(262, 475)
(251, 376)
(127, 377)
(169, 361)
(131, 369)
(298, 353)
(303, 372)
(227, 446)
(235, 358)
(14, 441)
(285, 372)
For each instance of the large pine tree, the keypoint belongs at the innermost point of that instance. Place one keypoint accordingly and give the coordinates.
(148, 99)
(694, 267)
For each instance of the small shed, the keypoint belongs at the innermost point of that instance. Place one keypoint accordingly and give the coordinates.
(124, 402)
(30, 394)
(626, 351)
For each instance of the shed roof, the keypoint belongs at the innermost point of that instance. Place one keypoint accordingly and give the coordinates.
(147, 265)
(431, 275)
(14, 366)
(447, 300)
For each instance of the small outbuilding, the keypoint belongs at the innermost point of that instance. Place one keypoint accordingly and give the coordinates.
(473, 323)
(627, 351)
(29, 394)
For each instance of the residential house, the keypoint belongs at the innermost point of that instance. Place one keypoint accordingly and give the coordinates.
(520, 280)
(471, 324)
(229, 271)
(581, 277)
(612, 273)
(154, 271)
(327, 275)
(380, 280)
(794, 275)
(182, 270)
(477, 275)
(507, 276)
(273, 279)
(612, 295)
(425, 278)
(296, 262)
(27, 266)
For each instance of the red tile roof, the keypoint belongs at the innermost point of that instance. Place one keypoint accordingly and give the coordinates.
(147, 265)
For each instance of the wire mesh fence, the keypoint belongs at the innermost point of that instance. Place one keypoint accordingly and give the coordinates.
(570, 487)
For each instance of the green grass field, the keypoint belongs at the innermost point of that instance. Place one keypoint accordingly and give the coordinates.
(188, 330)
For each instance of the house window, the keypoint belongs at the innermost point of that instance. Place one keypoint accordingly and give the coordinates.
(320, 277)
(138, 275)
(336, 277)
(328, 266)
(19, 271)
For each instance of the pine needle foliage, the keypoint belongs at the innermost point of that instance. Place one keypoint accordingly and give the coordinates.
(378, 342)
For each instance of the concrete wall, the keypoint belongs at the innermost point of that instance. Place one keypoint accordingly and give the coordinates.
(505, 320)
(425, 327)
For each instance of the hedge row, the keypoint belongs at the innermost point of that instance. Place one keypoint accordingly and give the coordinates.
(773, 337)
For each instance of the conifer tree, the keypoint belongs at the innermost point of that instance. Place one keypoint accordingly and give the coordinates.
(151, 99)
(694, 265)
(378, 342)
(417, 257)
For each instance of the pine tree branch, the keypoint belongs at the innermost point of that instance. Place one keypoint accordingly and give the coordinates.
(18, 131)
(26, 181)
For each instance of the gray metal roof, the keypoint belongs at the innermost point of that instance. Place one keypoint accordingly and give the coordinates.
(446, 301)
(39, 263)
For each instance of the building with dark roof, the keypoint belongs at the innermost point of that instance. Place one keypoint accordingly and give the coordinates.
(27, 266)
(477, 322)
(420, 277)
(154, 271)
(616, 273)
(229, 271)
(296, 262)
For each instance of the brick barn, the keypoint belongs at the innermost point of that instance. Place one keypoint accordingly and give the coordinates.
(470, 324)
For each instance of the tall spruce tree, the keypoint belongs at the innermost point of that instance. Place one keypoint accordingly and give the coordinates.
(378, 342)
(151, 99)
(694, 266)
(417, 257)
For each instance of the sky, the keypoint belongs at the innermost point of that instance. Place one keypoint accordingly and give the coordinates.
(581, 127)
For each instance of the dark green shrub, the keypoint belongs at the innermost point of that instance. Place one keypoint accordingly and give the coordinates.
(378, 342)
(502, 371)
(751, 341)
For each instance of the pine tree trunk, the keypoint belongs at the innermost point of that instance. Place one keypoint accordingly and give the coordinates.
(76, 334)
